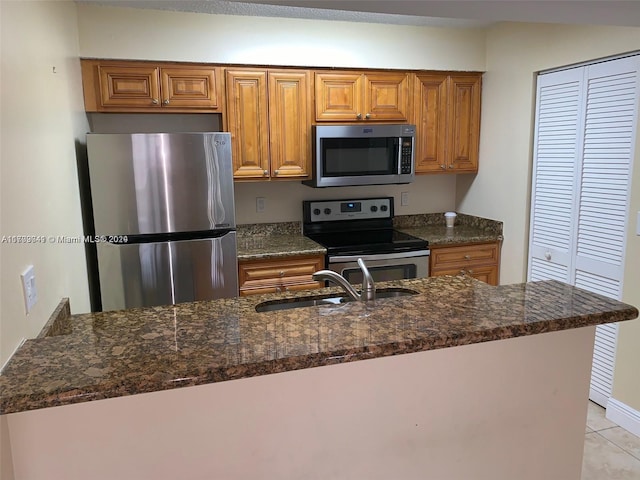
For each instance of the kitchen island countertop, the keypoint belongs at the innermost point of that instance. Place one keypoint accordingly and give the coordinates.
(119, 353)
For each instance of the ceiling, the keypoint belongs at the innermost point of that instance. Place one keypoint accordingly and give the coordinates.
(447, 13)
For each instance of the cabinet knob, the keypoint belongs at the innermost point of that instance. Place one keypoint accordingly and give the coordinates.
(154, 101)
(166, 101)
(450, 166)
(470, 272)
(358, 116)
(266, 172)
(547, 255)
(443, 166)
(367, 116)
(467, 257)
(276, 172)
(281, 273)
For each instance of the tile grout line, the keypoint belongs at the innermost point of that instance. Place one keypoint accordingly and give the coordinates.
(615, 444)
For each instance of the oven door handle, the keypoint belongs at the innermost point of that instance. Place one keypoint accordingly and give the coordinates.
(380, 256)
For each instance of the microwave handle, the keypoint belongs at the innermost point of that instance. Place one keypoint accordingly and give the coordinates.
(396, 143)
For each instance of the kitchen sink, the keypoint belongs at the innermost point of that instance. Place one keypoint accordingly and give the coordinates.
(331, 299)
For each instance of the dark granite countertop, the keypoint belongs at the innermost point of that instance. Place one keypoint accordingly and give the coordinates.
(467, 229)
(111, 354)
(274, 240)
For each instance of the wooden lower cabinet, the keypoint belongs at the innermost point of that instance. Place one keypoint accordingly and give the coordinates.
(279, 274)
(480, 260)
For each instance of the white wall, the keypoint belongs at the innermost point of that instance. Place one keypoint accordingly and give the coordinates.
(428, 194)
(42, 116)
(107, 32)
(501, 189)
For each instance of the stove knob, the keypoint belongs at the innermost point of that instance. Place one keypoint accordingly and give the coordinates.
(383, 208)
(374, 208)
(327, 211)
(316, 211)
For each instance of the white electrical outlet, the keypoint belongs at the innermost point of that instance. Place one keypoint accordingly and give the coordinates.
(29, 286)
(404, 199)
(260, 204)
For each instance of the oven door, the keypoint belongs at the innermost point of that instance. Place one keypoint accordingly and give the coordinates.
(383, 267)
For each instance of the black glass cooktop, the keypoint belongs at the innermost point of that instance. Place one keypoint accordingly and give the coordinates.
(368, 241)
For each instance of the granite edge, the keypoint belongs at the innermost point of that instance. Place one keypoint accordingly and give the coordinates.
(59, 323)
(207, 376)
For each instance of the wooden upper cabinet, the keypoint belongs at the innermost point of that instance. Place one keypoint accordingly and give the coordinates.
(356, 96)
(130, 86)
(190, 87)
(247, 119)
(268, 115)
(464, 122)
(290, 123)
(430, 118)
(338, 96)
(386, 96)
(447, 116)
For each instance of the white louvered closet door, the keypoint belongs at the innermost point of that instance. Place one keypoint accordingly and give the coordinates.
(578, 224)
(609, 139)
(559, 113)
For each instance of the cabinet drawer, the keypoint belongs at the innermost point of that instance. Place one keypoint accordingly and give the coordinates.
(273, 275)
(450, 257)
(485, 273)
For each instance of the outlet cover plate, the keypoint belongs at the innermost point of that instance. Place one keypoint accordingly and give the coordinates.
(29, 288)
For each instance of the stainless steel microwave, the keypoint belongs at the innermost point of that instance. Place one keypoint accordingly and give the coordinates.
(362, 155)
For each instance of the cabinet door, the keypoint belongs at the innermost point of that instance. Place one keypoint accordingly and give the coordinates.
(194, 87)
(386, 96)
(247, 122)
(464, 123)
(289, 123)
(338, 96)
(481, 261)
(129, 86)
(430, 118)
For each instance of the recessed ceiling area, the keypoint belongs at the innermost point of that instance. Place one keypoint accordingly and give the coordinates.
(449, 13)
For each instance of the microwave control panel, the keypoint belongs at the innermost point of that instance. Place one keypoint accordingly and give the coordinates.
(360, 209)
(406, 154)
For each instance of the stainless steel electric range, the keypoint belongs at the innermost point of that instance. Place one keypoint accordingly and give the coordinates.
(363, 228)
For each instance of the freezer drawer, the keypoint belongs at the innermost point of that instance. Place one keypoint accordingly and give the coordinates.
(164, 273)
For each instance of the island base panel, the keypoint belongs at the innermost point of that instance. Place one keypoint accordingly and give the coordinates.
(498, 410)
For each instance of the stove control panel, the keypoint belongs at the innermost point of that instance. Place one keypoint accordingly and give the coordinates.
(351, 209)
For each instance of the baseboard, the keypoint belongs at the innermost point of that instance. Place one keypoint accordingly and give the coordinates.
(623, 415)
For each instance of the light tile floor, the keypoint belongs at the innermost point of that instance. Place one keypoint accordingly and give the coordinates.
(610, 452)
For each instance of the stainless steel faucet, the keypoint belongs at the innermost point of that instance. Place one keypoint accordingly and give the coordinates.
(368, 286)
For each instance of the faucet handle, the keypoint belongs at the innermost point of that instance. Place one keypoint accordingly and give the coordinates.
(368, 285)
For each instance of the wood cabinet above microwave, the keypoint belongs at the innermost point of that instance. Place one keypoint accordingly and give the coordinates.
(343, 96)
(131, 86)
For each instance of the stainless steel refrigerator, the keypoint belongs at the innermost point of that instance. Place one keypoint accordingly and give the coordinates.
(164, 219)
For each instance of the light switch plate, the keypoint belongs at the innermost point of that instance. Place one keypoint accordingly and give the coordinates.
(260, 204)
(404, 199)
